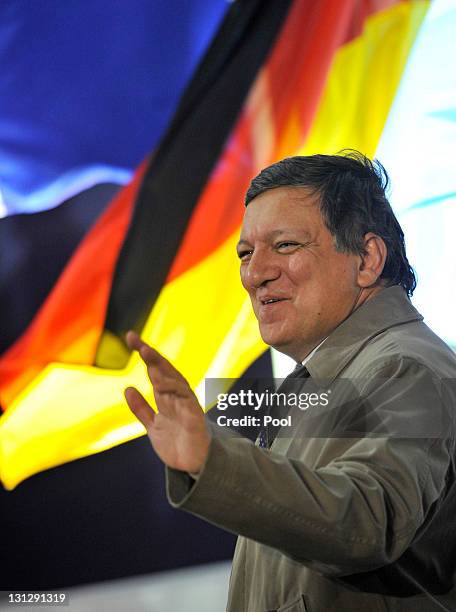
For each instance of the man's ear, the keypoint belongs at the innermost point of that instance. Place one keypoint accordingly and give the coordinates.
(372, 261)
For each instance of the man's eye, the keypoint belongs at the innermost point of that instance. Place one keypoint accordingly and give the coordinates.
(286, 245)
(244, 254)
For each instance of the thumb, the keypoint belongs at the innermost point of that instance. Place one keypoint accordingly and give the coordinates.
(139, 406)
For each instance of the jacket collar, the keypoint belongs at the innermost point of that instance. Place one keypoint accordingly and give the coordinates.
(388, 308)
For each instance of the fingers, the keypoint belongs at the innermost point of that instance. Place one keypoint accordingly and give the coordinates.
(151, 357)
(140, 408)
(134, 341)
(164, 377)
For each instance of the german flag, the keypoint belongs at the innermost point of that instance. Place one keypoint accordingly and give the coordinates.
(281, 78)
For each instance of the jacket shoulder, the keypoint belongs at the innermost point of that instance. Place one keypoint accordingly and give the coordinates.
(412, 343)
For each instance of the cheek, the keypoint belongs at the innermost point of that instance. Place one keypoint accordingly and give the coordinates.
(300, 271)
(345, 272)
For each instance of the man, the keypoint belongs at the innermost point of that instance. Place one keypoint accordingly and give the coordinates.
(360, 519)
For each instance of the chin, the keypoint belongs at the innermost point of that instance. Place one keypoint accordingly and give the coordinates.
(277, 342)
(284, 343)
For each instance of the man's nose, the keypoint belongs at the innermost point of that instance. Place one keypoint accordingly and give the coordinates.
(260, 269)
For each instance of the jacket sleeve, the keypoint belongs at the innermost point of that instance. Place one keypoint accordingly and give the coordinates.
(359, 507)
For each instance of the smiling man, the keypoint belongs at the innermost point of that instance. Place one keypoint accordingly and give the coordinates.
(358, 518)
(295, 277)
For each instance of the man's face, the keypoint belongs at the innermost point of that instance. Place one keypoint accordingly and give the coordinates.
(301, 288)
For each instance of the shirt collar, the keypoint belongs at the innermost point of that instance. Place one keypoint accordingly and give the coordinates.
(312, 353)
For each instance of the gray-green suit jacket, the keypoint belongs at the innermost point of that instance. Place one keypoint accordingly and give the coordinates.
(346, 522)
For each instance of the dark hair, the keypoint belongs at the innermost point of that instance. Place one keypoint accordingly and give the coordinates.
(352, 191)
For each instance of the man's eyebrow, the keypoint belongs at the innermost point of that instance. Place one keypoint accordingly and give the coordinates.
(298, 231)
(278, 232)
(241, 242)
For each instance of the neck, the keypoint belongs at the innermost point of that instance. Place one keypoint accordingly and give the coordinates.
(365, 294)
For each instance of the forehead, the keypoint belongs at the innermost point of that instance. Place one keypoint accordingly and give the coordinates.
(282, 209)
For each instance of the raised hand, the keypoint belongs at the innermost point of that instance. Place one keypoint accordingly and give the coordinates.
(178, 431)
